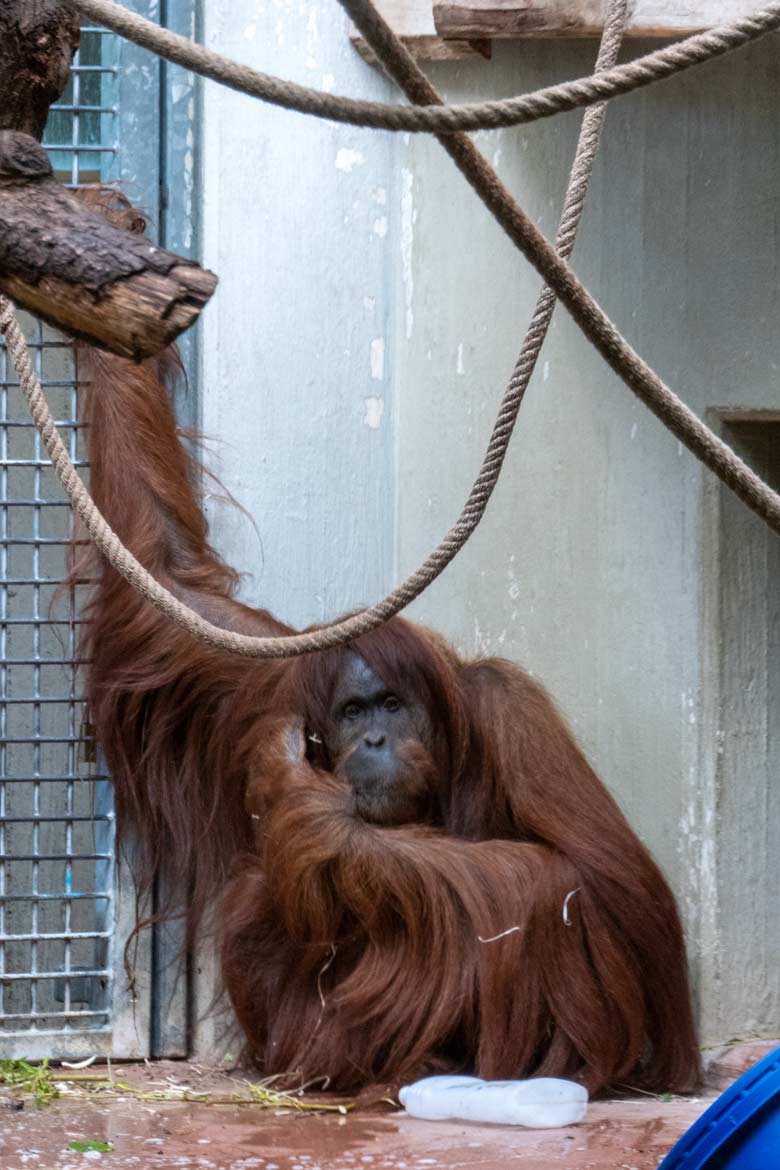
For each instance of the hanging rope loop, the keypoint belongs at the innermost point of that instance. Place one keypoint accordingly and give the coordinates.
(562, 283)
(608, 82)
(340, 632)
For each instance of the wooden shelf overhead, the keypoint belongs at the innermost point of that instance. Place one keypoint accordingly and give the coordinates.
(413, 21)
(457, 29)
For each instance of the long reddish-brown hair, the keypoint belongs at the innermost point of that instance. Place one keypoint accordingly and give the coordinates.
(526, 930)
(533, 930)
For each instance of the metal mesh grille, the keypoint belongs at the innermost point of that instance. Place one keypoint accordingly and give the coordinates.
(56, 814)
(81, 135)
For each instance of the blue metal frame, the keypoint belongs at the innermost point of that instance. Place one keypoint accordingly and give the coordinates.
(179, 163)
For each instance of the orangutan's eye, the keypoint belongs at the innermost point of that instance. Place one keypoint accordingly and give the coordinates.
(352, 711)
(391, 703)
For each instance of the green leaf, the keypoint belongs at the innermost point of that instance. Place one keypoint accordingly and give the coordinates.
(36, 1078)
(88, 1147)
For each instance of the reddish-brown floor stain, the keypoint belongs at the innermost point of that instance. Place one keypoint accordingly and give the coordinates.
(634, 1133)
(624, 1135)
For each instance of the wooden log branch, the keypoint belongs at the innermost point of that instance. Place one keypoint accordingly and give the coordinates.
(60, 259)
(68, 264)
(510, 19)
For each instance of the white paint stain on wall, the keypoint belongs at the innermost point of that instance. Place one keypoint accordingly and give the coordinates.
(328, 82)
(312, 40)
(375, 409)
(459, 359)
(514, 588)
(379, 195)
(698, 845)
(183, 92)
(380, 227)
(498, 151)
(378, 359)
(483, 642)
(347, 160)
(407, 245)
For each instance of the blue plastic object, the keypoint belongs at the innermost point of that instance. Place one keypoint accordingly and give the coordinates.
(741, 1130)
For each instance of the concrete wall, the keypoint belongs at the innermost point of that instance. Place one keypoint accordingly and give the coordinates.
(369, 316)
(297, 366)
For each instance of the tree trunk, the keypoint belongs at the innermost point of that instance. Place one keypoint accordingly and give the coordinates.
(37, 41)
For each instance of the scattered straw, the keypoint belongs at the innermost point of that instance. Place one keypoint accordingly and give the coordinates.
(320, 992)
(566, 900)
(495, 937)
(46, 1084)
(75, 1064)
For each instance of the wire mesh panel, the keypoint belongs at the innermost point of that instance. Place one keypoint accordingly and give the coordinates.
(82, 133)
(55, 844)
(58, 912)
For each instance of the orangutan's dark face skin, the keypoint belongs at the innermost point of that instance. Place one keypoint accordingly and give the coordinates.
(379, 741)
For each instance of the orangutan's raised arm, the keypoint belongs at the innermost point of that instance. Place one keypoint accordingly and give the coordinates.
(169, 712)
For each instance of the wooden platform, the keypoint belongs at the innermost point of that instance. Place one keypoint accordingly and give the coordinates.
(462, 29)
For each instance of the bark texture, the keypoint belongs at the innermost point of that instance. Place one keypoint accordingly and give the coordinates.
(37, 41)
(62, 260)
(71, 266)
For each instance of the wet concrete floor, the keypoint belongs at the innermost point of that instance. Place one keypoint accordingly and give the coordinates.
(628, 1134)
(616, 1136)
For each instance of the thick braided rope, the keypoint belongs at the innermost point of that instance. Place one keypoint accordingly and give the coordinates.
(576, 191)
(704, 443)
(689, 429)
(488, 115)
(337, 633)
(398, 64)
(585, 311)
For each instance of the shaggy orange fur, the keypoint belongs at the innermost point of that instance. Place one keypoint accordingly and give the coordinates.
(351, 950)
